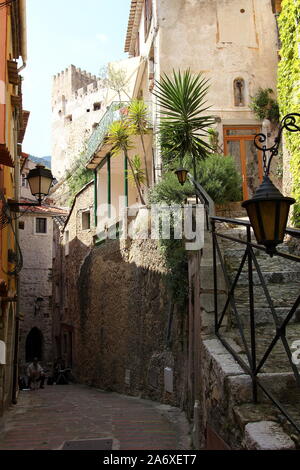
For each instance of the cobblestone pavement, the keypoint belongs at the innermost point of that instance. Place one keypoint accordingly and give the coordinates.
(44, 419)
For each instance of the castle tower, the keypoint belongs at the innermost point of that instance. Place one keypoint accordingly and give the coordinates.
(67, 82)
(77, 107)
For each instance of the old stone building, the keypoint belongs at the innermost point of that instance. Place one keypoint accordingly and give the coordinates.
(233, 43)
(79, 100)
(36, 234)
(72, 241)
(13, 56)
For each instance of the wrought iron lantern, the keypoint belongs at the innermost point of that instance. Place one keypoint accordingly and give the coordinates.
(181, 175)
(40, 181)
(268, 209)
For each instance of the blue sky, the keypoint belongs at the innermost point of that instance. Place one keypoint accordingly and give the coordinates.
(86, 33)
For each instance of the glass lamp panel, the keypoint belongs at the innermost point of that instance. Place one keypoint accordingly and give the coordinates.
(34, 183)
(283, 217)
(252, 214)
(268, 212)
(45, 185)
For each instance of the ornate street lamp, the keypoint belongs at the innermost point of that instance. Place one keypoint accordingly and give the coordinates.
(268, 210)
(40, 180)
(182, 175)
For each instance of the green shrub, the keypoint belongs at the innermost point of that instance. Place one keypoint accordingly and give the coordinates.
(264, 106)
(170, 191)
(219, 177)
(77, 180)
(216, 174)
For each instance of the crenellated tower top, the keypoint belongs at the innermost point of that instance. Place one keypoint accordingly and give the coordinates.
(69, 81)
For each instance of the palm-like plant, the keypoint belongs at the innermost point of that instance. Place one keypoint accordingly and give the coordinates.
(183, 125)
(138, 172)
(138, 118)
(118, 137)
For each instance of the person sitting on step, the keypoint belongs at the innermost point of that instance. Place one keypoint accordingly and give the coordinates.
(35, 374)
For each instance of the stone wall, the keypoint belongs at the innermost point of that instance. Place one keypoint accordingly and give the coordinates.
(35, 281)
(125, 331)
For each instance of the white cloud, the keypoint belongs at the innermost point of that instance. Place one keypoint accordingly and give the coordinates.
(102, 37)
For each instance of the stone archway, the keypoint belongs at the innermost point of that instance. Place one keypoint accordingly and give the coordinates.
(34, 345)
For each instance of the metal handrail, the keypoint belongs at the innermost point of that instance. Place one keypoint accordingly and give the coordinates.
(113, 113)
(209, 205)
(253, 367)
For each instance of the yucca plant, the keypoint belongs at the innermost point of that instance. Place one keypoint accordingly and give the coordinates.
(183, 124)
(138, 172)
(138, 118)
(118, 137)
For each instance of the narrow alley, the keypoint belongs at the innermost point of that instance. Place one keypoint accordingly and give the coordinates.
(45, 419)
(149, 227)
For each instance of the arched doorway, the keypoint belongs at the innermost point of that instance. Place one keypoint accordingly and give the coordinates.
(34, 345)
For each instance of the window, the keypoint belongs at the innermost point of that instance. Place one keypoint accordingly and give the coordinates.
(86, 220)
(21, 225)
(239, 92)
(276, 6)
(24, 181)
(148, 17)
(41, 225)
(97, 106)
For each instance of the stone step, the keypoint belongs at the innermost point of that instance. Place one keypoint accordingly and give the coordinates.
(275, 277)
(278, 361)
(233, 260)
(264, 316)
(282, 295)
(282, 386)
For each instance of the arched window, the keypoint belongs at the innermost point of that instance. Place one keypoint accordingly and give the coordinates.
(239, 92)
(34, 345)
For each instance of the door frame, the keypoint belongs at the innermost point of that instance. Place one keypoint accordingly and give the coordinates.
(241, 138)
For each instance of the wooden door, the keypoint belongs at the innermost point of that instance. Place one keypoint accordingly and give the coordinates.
(239, 143)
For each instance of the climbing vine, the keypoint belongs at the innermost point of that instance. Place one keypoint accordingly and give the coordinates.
(289, 88)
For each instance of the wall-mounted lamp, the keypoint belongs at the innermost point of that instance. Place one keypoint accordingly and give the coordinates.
(181, 175)
(268, 210)
(40, 180)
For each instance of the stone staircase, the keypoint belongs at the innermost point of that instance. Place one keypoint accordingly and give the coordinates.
(282, 278)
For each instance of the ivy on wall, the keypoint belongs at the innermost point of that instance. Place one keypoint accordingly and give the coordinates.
(289, 88)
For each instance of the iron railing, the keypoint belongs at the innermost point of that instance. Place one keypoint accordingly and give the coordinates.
(116, 111)
(209, 205)
(249, 336)
(113, 113)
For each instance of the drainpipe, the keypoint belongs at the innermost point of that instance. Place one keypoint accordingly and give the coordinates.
(17, 280)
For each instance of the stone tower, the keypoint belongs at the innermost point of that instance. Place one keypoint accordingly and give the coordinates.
(77, 107)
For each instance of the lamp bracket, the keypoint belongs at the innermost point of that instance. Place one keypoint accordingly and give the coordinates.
(288, 122)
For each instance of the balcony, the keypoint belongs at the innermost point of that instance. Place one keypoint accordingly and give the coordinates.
(95, 147)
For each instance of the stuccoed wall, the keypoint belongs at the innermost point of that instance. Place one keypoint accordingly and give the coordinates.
(289, 96)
